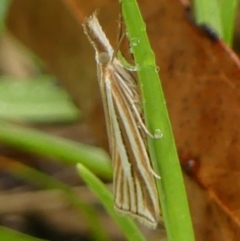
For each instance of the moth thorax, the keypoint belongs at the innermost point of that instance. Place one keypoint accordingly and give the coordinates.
(103, 58)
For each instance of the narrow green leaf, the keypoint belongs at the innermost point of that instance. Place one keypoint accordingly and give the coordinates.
(208, 12)
(4, 5)
(163, 153)
(63, 150)
(228, 9)
(31, 175)
(126, 224)
(7, 234)
(37, 100)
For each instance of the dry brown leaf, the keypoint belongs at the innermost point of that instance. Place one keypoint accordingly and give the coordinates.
(200, 81)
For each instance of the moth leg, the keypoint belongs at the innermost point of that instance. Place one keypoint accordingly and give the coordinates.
(154, 173)
(140, 122)
(120, 36)
(145, 130)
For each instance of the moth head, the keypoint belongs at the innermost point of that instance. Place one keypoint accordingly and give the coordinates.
(103, 58)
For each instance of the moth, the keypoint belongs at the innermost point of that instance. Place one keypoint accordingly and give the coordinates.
(134, 186)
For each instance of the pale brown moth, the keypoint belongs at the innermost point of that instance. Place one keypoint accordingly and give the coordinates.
(134, 186)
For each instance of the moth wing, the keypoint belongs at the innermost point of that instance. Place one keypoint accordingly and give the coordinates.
(134, 186)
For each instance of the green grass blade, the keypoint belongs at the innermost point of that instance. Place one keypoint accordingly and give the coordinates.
(208, 12)
(66, 151)
(163, 153)
(4, 5)
(228, 9)
(7, 234)
(37, 100)
(220, 15)
(47, 182)
(126, 224)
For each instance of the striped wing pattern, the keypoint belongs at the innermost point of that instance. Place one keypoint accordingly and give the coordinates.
(134, 185)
